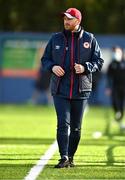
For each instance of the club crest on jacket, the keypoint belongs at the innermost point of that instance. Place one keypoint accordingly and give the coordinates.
(86, 45)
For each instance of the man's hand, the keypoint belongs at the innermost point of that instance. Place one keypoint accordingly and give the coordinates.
(58, 70)
(79, 68)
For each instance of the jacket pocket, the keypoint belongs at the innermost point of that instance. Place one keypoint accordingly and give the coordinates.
(85, 83)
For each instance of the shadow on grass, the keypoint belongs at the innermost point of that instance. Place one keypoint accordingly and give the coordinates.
(84, 171)
(86, 165)
(14, 140)
(110, 139)
(11, 171)
(16, 165)
(102, 142)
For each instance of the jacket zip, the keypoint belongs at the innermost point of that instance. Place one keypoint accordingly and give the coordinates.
(78, 62)
(72, 66)
(63, 59)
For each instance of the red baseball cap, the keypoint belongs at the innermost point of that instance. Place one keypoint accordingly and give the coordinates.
(73, 13)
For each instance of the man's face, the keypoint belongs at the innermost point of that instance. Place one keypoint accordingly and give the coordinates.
(70, 24)
(117, 54)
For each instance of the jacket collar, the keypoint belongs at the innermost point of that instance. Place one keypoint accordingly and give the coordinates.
(77, 33)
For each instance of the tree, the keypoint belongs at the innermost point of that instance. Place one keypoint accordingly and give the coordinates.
(99, 16)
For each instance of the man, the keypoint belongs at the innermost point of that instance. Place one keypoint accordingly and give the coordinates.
(41, 85)
(116, 83)
(72, 56)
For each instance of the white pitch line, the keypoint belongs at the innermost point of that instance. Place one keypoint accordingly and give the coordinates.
(37, 169)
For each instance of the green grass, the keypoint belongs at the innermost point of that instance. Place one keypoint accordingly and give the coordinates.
(26, 132)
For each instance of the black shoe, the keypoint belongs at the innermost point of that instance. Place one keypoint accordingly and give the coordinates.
(64, 162)
(71, 163)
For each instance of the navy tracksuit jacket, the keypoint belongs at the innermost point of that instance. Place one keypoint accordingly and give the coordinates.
(66, 48)
(71, 91)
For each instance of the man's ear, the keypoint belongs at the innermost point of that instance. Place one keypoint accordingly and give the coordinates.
(77, 22)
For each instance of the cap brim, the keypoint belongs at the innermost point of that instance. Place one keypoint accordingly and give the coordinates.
(68, 15)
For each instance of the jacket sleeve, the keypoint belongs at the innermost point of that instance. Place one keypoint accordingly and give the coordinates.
(47, 60)
(96, 61)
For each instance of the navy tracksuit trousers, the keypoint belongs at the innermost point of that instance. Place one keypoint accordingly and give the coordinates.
(69, 117)
(118, 99)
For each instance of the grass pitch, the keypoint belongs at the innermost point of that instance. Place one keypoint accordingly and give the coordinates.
(26, 132)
